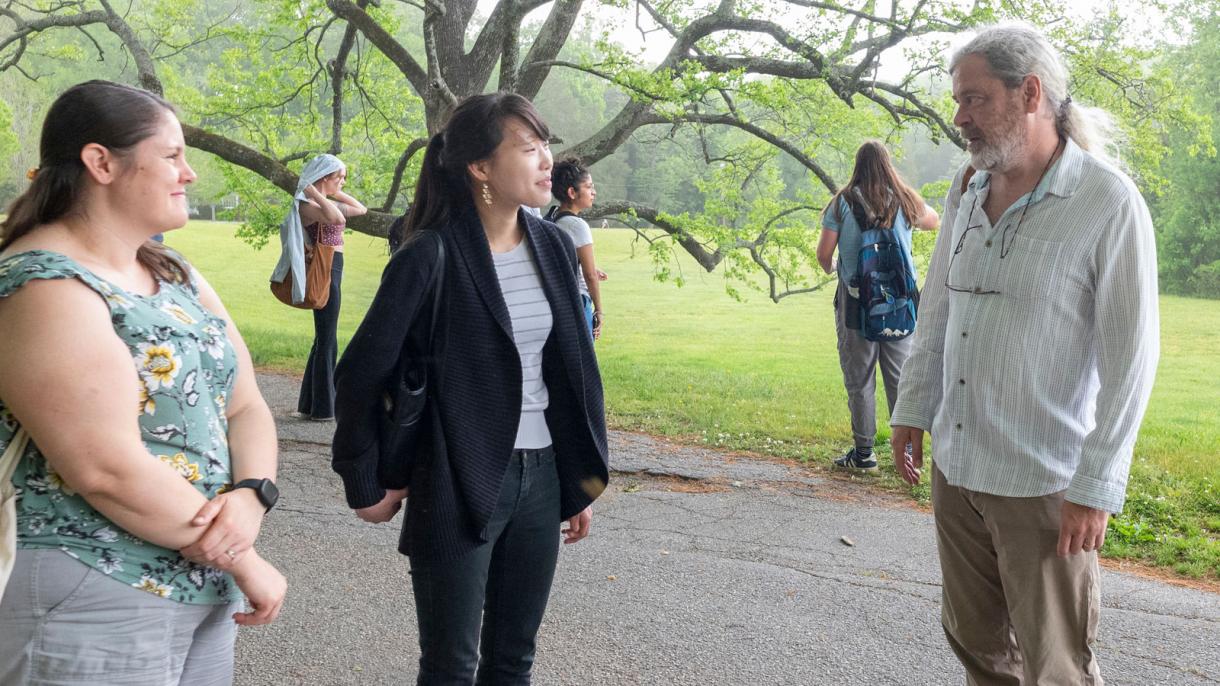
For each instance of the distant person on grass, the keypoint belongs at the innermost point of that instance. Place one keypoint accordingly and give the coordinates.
(572, 185)
(1033, 362)
(879, 194)
(514, 435)
(151, 453)
(324, 210)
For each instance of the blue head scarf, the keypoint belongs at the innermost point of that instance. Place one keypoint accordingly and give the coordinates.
(292, 233)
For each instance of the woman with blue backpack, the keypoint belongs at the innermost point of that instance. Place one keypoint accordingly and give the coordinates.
(869, 222)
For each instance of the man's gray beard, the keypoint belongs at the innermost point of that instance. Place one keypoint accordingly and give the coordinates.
(1005, 153)
(998, 156)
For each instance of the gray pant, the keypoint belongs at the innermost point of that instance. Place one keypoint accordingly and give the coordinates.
(858, 357)
(66, 623)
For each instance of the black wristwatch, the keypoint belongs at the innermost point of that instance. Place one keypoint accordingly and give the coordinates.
(265, 489)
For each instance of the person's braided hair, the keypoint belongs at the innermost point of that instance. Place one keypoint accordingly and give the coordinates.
(567, 174)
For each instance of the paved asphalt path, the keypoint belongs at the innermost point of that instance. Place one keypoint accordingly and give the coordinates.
(702, 568)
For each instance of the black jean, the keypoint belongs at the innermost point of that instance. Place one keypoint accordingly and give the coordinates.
(317, 397)
(482, 611)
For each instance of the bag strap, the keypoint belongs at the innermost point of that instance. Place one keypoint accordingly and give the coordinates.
(12, 453)
(966, 180)
(437, 281)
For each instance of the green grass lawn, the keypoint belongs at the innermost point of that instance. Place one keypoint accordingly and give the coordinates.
(695, 364)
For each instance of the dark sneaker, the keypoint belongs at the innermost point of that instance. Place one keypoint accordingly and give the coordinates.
(852, 460)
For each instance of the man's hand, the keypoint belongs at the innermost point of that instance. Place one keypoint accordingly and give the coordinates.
(385, 510)
(1081, 528)
(907, 444)
(578, 526)
(233, 520)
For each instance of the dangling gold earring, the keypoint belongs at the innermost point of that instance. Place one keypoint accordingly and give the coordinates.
(487, 195)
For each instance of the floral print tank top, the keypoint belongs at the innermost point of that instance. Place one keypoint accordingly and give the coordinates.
(186, 366)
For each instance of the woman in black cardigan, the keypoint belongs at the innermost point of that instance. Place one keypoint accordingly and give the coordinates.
(515, 442)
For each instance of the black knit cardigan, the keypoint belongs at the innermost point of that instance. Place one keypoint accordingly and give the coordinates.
(474, 385)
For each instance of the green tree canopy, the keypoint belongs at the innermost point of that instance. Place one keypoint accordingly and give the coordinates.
(744, 124)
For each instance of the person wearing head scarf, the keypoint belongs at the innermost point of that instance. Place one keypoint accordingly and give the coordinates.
(318, 216)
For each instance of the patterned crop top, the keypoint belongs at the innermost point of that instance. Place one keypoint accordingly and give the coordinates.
(326, 234)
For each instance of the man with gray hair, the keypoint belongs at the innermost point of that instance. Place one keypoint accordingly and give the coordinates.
(1032, 364)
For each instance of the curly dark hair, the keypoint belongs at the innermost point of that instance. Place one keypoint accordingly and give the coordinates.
(566, 174)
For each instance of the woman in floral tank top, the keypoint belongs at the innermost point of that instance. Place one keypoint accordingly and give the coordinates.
(151, 453)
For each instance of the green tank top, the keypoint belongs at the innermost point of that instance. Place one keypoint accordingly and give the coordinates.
(186, 366)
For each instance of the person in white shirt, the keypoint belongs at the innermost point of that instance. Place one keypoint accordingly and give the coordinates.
(1034, 359)
(572, 185)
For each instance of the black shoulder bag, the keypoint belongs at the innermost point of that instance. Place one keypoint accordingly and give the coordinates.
(404, 401)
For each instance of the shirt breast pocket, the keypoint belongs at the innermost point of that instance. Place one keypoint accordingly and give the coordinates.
(1033, 269)
(968, 267)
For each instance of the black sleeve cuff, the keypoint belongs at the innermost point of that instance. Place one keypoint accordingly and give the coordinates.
(361, 485)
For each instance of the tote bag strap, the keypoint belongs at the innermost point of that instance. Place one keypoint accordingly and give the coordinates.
(14, 451)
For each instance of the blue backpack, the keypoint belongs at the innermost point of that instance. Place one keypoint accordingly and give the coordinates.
(885, 279)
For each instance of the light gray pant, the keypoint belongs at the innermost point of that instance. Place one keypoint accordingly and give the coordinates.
(858, 357)
(64, 622)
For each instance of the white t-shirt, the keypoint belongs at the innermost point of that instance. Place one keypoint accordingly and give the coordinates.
(580, 233)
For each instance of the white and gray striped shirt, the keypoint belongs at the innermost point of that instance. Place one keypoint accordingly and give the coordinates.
(1041, 387)
(531, 320)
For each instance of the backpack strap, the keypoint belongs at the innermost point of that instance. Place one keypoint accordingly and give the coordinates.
(969, 174)
(863, 212)
(555, 214)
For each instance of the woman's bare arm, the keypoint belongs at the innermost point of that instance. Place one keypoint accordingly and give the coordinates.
(72, 384)
(319, 208)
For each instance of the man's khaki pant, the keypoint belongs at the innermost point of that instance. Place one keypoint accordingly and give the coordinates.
(1014, 611)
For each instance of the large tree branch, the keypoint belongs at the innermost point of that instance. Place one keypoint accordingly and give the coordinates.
(706, 259)
(145, 69)
(757, 247)
(379, 37)
(338, 70)
(24, 27)
(414, 147)
(241, 155)
(497, 39)
(635, 114)
(928, 113)
(615, 132)
(763, 134)
(434, 16)
(450, 21)
(546, 47)
(510, 52)
(375, 223)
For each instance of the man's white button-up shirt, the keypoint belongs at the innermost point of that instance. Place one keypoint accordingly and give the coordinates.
(1037, 381)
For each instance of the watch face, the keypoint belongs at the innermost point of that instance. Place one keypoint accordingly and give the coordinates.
(268, 493)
